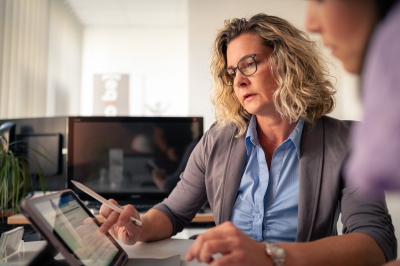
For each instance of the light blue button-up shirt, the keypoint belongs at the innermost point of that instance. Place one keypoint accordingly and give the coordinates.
(266, 207)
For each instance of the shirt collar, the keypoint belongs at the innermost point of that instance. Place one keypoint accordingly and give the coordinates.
(251, 134)
(296, 136)
(252, 138)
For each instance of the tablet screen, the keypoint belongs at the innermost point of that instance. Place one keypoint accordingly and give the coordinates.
(74, 226)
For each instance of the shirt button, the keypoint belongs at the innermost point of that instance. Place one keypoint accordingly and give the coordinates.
(259, 216)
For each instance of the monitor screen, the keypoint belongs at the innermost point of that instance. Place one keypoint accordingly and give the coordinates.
(43, 152)
(116, 156)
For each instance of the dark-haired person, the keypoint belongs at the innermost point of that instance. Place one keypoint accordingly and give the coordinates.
(365, 36)
(270, 166)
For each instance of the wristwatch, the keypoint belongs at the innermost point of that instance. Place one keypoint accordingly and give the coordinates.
(276, 252)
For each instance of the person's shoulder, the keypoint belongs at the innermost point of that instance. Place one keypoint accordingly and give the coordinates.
(218, 130)
(220, 134)
(337, 128)
(332, 126)
(337, 123)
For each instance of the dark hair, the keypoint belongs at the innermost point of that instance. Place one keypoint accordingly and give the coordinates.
(383, 7)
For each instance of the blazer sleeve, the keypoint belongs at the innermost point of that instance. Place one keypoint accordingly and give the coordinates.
(368, 215)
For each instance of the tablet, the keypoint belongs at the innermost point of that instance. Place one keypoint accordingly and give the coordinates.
(65, 222)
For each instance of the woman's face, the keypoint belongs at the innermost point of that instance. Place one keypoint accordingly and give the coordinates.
(345, 27)
(255, 92)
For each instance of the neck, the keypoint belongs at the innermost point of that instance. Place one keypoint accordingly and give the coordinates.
(274, 130)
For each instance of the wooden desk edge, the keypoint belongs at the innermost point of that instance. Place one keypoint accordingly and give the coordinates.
(21, 219)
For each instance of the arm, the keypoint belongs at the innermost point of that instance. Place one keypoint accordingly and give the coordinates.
(350, 249)
(236, 247)
(155, 225)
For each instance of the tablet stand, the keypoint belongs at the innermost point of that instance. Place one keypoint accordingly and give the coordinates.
(5, 254)
(11, 243)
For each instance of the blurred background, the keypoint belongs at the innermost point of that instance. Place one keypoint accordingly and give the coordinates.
(130, 57)
(57, 56)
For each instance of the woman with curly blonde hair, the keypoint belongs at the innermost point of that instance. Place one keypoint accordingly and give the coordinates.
(303, 87)
(270, 167)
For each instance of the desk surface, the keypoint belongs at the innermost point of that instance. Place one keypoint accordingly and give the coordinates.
(199, 218)
(158, 249)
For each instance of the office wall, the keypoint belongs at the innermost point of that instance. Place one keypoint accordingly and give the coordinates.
(154, 57)
(40, 54)
(64, 61)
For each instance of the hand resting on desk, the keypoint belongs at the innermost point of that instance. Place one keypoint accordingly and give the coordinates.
(236, 247)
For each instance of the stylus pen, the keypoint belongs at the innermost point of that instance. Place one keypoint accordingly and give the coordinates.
(103, 200)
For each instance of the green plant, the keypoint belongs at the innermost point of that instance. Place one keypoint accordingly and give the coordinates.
(15, 178)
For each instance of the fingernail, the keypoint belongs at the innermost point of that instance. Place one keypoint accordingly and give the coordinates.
(101, 229)
(120, 223)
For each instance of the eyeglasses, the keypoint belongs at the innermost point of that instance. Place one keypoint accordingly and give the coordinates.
(247, 66)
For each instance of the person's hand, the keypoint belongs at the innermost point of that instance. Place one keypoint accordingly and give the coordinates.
(120, 226)
(234, 246)
(159, 176)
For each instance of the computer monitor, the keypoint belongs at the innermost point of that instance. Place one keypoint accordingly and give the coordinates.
(43, 152)
(7, 131)
(115, 156)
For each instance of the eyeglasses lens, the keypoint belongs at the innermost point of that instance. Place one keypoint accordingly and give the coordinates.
(227, 76)
(247, 66)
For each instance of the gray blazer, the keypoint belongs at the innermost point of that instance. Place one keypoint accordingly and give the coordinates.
(215, 168)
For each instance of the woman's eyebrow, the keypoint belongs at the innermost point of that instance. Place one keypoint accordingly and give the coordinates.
(247, 55)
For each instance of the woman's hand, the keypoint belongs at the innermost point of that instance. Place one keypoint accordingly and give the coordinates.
(234, 246)
(120, 226)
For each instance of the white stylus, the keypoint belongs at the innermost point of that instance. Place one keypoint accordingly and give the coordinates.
(102, 200)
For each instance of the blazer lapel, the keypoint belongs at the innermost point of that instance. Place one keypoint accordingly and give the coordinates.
(233, 176)
(311, 163)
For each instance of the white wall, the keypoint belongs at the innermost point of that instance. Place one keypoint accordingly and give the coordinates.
(154, 57)
(40, 58)
(64, 61)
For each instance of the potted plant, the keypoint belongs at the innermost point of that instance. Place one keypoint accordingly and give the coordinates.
(15, 177)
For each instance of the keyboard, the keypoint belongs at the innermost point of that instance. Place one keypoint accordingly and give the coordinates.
(139, 206)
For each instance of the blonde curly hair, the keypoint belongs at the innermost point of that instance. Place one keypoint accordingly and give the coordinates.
(302, 75)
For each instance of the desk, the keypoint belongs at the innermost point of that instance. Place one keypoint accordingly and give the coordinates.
(199, 218)
(158, 249)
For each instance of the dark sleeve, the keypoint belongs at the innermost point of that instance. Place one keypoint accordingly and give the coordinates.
(369, 215)
(189, 195)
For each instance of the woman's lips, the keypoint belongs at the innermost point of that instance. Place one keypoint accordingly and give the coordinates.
(248, 96)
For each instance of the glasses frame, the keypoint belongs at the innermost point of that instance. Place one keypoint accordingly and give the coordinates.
(234, 69)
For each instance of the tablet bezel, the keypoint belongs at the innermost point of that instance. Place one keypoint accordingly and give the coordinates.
(28, 208)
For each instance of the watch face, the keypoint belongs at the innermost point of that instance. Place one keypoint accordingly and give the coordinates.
(276, 252)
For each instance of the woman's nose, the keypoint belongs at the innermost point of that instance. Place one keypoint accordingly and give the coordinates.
(240, 79)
